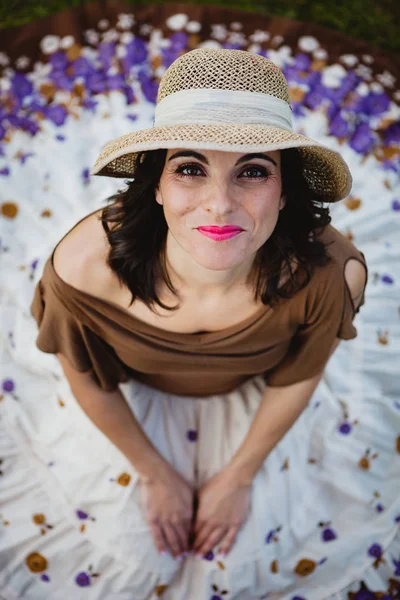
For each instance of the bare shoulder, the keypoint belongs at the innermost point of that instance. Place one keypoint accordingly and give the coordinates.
(80, 258)
(356, 278)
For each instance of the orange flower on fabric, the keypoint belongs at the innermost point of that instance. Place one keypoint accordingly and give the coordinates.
(36, 562)
(124, 479)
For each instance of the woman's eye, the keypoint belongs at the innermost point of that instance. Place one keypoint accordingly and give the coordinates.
(264, 172)
(182, 168)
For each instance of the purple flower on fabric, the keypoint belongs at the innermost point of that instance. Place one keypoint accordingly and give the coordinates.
(97, 82)
(396, 204)
(115, 82)
(379, 508)
(179, 40)
(129, 94)
(375, 551)
(313, 80)
(209, 555)
(36, 105)
(2, 132)
(347, 84)
(328, 535)
(8, 385)
(272, 537)
(28, 125)
(131, 117)
(339, 126)
(23, 157)
(387, 279)
(396, 563)
(376, 103)
(59, 61)
(302, 61)
(83, 579)
(293, 74)
(45, 577)
(298, 598)
(192, 435)
(81, 67)
(298, 110)
(392, 134)
(106, 53)
(149, 88)
(60, 137)
(345, 428)
(315, 97)
(57, 114)
(90, 104)
(136, 53)
(21, 86)
(85, 176)
(169, 55)
(81, 514)
(61, 80)
(391, 165)
(362, 139)
(365, 594)
(332, 111)
(230, 46)
(5, 171)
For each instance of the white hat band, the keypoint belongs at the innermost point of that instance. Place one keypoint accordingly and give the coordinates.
(212, 106)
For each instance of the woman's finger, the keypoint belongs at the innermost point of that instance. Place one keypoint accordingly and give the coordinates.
(158, 536)
(229, 539)
(202, 531)
(214, 536)
(172, 539)
(182, 530)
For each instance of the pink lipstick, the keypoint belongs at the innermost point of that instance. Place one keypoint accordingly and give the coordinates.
(220, 234)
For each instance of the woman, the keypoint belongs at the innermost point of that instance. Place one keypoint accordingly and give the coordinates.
(194, 350)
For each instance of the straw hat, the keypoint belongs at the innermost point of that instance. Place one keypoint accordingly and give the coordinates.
(231, 100)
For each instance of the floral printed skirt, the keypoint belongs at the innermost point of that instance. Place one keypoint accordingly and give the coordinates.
(324, 514)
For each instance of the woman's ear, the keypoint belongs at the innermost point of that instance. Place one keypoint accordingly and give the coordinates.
(282, 202)
(157, 194)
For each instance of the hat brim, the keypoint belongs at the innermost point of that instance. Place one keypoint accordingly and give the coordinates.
(326, 172)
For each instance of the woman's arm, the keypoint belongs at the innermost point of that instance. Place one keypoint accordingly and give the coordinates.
(112, 415)
(281, 406)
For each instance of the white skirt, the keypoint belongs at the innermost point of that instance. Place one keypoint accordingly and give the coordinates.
(324, 514)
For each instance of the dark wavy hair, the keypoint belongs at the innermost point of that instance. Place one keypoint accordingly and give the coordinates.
(139, 230)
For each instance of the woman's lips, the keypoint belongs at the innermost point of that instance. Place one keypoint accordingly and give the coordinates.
(216, 229)
(222, 235)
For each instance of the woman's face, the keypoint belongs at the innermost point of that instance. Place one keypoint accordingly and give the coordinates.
(213, 187)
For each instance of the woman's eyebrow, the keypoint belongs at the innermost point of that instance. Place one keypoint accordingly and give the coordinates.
(204, 160)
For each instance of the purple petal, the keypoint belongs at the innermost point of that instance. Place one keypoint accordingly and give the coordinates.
(83, 579)
(8, 385)
(81, 514)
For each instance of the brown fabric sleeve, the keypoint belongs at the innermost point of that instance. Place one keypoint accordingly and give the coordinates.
(329, 314)
(60, 332)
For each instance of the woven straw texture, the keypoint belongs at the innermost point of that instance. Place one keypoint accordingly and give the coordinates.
(325, 171)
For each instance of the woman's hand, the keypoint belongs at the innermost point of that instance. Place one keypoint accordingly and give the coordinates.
(223, 507)
(168, 502)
